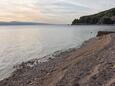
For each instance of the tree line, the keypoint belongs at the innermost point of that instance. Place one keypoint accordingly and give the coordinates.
(105, 17)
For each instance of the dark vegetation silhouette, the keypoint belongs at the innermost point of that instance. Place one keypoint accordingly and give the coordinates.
(105, 17)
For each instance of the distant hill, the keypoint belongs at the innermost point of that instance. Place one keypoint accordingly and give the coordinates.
(21, 23)
(105, 17)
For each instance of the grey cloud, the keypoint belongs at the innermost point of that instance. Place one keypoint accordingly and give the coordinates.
(63, 8)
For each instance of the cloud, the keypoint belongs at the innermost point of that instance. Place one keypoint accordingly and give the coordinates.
(97, 4)
(19, 10)
(61, 9)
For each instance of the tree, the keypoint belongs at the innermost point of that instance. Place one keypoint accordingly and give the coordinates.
(76, 21)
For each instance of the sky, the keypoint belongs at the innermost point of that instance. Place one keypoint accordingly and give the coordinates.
(50, 11)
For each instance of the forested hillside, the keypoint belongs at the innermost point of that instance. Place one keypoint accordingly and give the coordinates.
(105, 17)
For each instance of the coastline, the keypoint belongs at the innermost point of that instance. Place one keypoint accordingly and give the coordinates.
(90, 65)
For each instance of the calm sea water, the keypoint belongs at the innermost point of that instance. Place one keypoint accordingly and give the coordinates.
(22, 43)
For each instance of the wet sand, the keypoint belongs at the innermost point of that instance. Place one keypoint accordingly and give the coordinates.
(93, 64)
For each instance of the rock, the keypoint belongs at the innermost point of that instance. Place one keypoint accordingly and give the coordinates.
(101, 33)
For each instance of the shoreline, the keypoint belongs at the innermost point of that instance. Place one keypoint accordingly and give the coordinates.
(83, 66)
